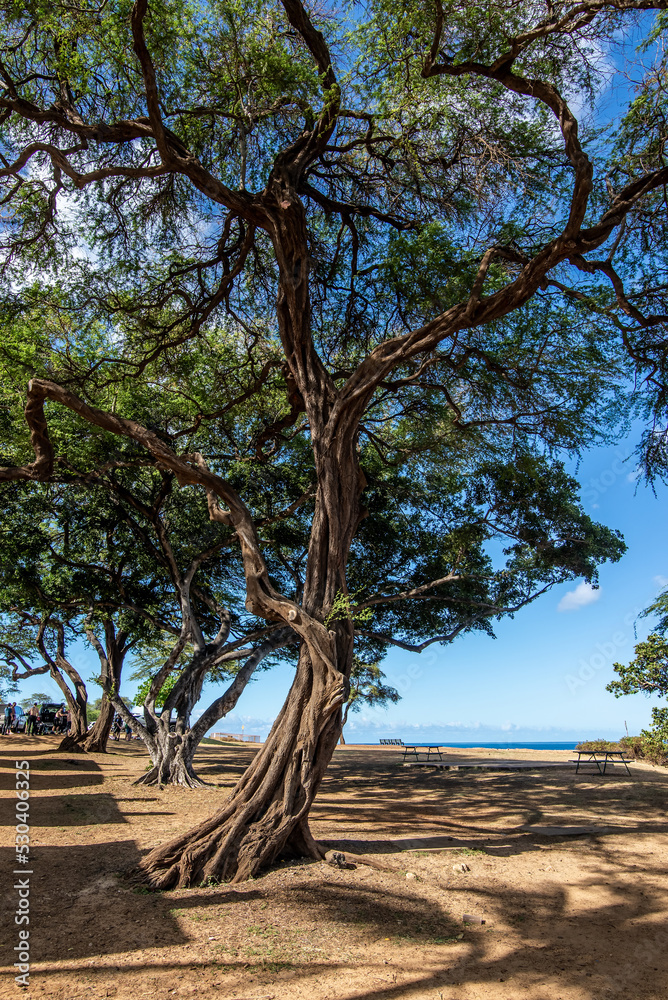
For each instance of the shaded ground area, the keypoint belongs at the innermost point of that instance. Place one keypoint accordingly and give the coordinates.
(572, 917)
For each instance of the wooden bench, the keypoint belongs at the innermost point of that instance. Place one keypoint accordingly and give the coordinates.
(391, 743)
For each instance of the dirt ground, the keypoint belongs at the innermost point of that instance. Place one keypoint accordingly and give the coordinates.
(565, 917)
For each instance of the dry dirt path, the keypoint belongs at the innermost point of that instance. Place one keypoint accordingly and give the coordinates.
(565, 917)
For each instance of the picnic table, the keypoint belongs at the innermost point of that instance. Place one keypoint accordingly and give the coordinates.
(428, 749)
(604, 757)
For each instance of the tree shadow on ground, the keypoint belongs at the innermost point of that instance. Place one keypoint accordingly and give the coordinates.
(603, 935)
(72, 772)
(399, 802)
(79, 908)
(532, 940)
(70, 810)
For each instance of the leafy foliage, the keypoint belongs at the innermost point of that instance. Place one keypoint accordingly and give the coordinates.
(367, 688)
(143, 689)
(35, 699)
(8, 686)
(648, 673)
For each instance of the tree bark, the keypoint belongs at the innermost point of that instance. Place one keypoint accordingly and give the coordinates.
(77, 705)
(267, 813)
(95, 740)
(343, 723)
(172, 758)
(69, 744)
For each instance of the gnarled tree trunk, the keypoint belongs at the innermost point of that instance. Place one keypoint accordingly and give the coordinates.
(172, 753)
(71, 743)
(343, 723)
(111, 658)
(95, 740)
(172, 756)
(267, 814)
(77, 705)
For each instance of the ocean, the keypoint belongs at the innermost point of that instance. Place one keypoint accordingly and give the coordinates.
(492, 746)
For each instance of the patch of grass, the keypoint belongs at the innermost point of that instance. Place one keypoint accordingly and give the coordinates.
(274, 949)
(271, 966)
(210, 882)
(224, 967)
(469, 852)
(270, 956)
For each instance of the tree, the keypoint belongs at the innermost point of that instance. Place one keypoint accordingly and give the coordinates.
(59, 558)
(34, 699)
(26, 634)
(194, 635)
(648, 672)
(367, 688)
(172, 746)
(388, 231)
(109, 553)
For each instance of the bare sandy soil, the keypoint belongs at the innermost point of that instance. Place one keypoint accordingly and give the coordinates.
(565, 917)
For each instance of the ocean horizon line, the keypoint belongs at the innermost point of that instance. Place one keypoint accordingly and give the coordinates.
(484, 745)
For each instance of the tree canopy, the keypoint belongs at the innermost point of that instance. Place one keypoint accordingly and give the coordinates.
(647, 673)
(367, 687)
(361, 277)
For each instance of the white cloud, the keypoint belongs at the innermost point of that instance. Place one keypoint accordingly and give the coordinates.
(583, 594)
(661, 581)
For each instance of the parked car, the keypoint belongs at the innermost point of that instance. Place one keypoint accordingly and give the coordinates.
(47, 715)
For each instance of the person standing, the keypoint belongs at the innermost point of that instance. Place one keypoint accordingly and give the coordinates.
(116, 728)
(33, 719)
(9, 718)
